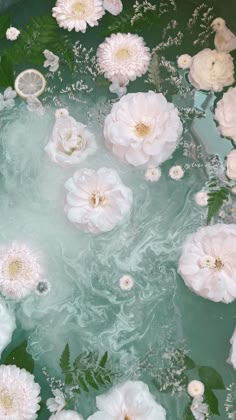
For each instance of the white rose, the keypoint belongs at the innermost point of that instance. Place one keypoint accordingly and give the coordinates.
(231, 165)
(195, 388)
(12, 33)
(225, 114)
(211, 70)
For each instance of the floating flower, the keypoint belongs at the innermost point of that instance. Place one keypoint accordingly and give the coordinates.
(184, 61)
(225, 114)
(57, 403)
(224, 40)
(97, 200)
(201, 198)
(131, 400)
(7, 326)
(12, 33)
(52, 61)
(196, 388)
(126, 282)
(19, 394)
(77, 14)
(143, 128)
(20, 271)
(43, 288)
(71, 142)
(231, 165)
(123, 57)
(7, 98)
(211, 70)
(176, 172)
(62, 112)
(232, 356)
(208, 262)
(35, 105)
(152, 174)
(114, 7)
(199, 409)
(66, 415)
(118, 89)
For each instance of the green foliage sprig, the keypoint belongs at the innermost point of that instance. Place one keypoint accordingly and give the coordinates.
(216, 197)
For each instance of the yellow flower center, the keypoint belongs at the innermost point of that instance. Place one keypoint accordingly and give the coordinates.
(79, 8)
(122, 54)
(6, 401)
(127, 418)
(97, 199)
(219, 264)
(15, 267)
(142, 130)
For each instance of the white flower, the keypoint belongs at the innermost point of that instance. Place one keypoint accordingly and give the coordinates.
(43, 288)
(19, 394)
(114, 7)
(225, 114)
(52, 61)
(77, 14)
(57, 403)
(118, 89)
(196, 388)
(126, 282)
(12, 33)
(232, 356)
(224, 40)
(211, 70)
(129, 401)
(97, 200)
(184, 61)
(20, 271)
(62, 112)
(152, 174)
(176, 172)
(231, 165)
(71, 142)
(66, 415)
(199, 409)
(7, 98)
(35, 105)
(7, 325)
(201, 198)
(143, 128)
(215, 282)
(123, 57)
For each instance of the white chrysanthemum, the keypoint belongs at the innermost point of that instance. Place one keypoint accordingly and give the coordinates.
(126, 282)
(201, 198)
(77, 14)
(7, 325)
(211, 70)
(143, 128)
(184, 61)
(19, 394)
(123, 57)
(129, 401)
(97, 200)
(196, 388)
(20, 271)
(152, 174)
(12, 33)
(71, 142)
(199, 409)
(208, 262)
(176, 172)
(57, 403)
(66, 415)
(225, 114)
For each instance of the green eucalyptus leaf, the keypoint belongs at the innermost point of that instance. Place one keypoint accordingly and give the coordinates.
(212, 401)
(5, 23)
(189, 363)
(210, 377)
(20, 357)
(65, 359)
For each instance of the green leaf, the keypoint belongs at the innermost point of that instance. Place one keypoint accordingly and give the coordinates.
(82, 383)
(215, 201)
(5, 22)
(211, 401)
(188, 413)
(21, 358)
(210, 377)
(6, 72)
(68, 379)
(103, 360)
(154, 76)
(65, 359)
(189, 363)
(89, 378)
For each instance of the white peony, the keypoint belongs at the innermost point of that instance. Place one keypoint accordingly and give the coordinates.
(231, 165)
(184, 61)
(131, 400)
(66, 415)
(208, 262)
(143, 128)
(19, 394)
(20, 271)
(12, 33)
(57, 403)
(196, 388)
(97, 200)
(123, 57)
(71, 142)
(225, 114)
(77, 14)
(114, 7)
(52, 61)
(232, 356)
(211, 70)
(7, 325)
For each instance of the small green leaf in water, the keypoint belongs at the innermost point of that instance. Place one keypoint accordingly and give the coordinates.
(65, 359)
(210, 377)
(212, 401)
(103, 360)
(21, 358)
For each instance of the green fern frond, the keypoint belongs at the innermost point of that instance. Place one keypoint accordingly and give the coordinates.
(215, 202)
(65, 359)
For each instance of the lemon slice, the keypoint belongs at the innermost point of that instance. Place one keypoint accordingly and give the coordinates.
(30, 82)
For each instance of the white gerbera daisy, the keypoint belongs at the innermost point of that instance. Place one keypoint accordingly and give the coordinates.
(152, 174)
(20, 271)
(176, 172)
(19, 394)
(77, 14)
(123, 57)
